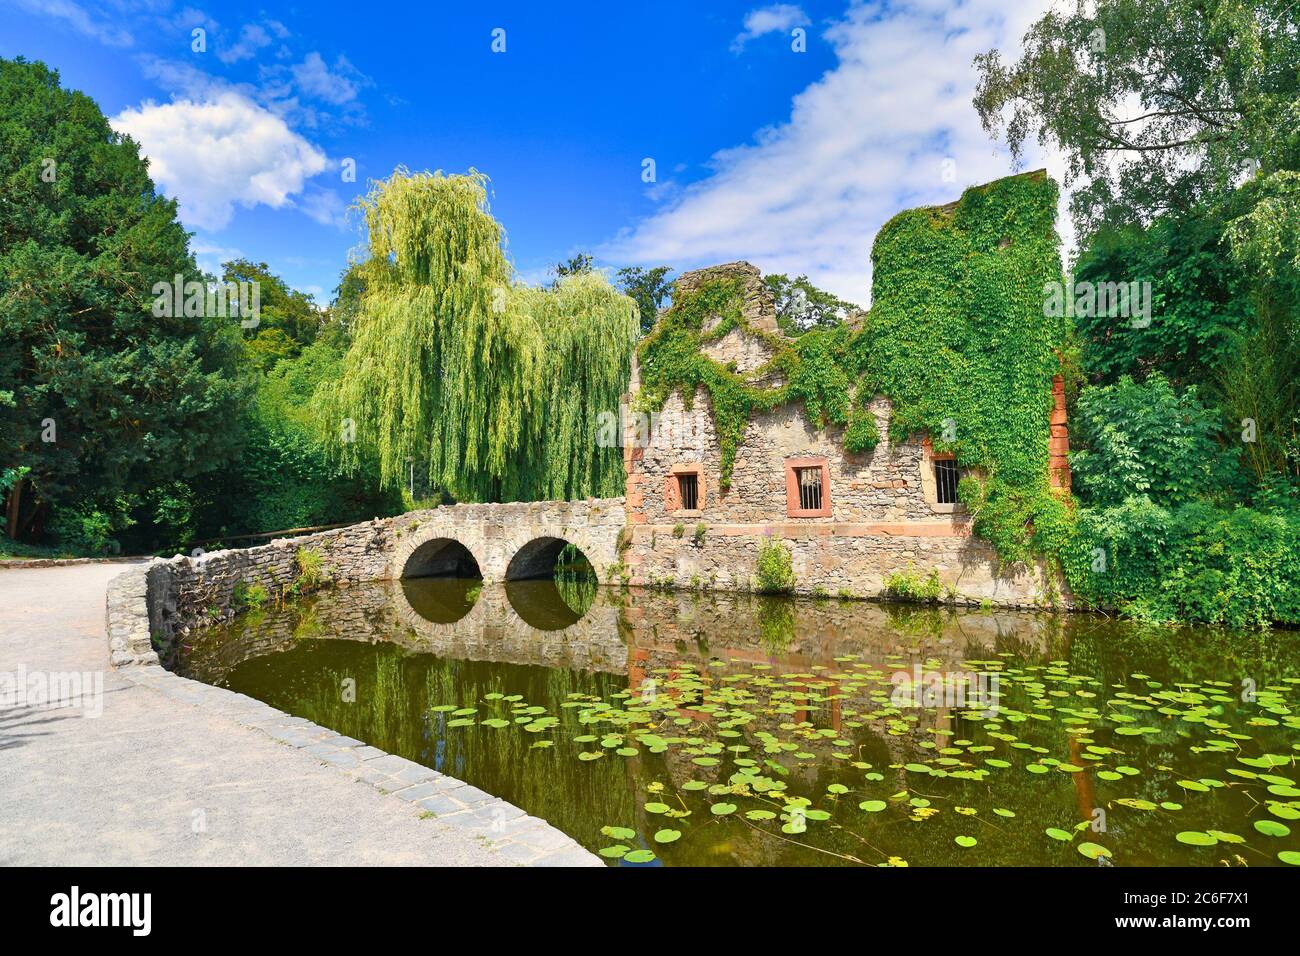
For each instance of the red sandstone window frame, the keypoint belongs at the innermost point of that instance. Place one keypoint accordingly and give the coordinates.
(792, 469)
(672, 495)
(930, 457)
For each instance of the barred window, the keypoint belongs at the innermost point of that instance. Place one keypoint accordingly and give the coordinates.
(688, 491)
(810, 488)
(945, 480)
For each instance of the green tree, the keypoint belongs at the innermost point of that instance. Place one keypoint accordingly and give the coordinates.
(1145, 438)
(648, 288)
(573, 266)
(497, 386)
(108, 400)
(285, 310)
(1218, 94)
(1199, 297)
(801, 306)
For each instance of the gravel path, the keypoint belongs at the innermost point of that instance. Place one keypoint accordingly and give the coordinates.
(172, 772)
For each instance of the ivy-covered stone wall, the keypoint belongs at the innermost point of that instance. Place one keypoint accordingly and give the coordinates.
(957, 357)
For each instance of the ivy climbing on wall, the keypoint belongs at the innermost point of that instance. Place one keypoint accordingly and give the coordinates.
(816, 369)
(957, 337)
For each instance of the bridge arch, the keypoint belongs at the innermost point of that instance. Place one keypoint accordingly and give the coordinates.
(527, 535)
(441, 557)
(537, 558)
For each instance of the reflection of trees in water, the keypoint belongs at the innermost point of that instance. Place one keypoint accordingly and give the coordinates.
(775, 623)
(575, 580)
(794, 649)
(394, 694)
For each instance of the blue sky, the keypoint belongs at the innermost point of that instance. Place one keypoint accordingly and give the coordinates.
(789, 158)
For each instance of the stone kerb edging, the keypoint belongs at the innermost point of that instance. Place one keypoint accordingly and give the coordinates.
(519, 839)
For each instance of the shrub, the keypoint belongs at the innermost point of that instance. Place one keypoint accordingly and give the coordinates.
(1145, 439)
(679, 530)
(248, 596)
(910, 586)
(774, 568)
(1237, 567)
(309, 563)
(701, 530)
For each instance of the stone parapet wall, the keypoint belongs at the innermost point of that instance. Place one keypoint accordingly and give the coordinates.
(151, 606)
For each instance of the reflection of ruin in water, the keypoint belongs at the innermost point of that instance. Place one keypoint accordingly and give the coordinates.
(628, 632)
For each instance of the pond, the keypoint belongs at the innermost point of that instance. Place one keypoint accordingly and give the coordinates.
(727, 729)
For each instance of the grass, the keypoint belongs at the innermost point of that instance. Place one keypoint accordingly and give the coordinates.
(11, 550)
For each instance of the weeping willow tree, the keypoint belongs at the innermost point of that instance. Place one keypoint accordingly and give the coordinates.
(498, 386)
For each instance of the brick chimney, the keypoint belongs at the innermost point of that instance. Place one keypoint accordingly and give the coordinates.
(1059, 447)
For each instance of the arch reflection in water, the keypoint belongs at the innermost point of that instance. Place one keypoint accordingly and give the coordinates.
(551, 605)
(442, 600)
(550, 584)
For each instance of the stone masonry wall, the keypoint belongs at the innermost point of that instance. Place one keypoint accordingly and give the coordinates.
(883, 514)
(150, 607)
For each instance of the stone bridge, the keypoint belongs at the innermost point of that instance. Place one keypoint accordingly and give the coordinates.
(505, 542)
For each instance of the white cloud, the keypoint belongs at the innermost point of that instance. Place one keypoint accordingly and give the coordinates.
(223, 152)
(251, 39)
(80, 19)
(777, 18)
(316, 79)
(324, 206)
(211, 256)
(866, 140)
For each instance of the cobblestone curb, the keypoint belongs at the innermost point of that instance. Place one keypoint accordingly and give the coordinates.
(517, 838)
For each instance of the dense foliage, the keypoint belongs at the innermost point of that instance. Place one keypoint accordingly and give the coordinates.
(957, 337)
(1177, 119)
(105, 405)
(494, 387)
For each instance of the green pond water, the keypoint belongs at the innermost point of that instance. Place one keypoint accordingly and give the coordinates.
(687, 729)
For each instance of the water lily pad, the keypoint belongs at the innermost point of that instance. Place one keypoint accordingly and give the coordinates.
(1196, 838)
(1272, 828)
(1289, 856)
(722, 809)
(965, 841)
(872, 806)
(616, 852)
(640, 856)
(1056, 833)
(1092, 850)
(667, 836)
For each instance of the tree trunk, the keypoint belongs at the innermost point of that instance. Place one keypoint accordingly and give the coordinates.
(15, 502)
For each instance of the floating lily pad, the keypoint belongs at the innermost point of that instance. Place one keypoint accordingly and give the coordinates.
(1092, 850)
(1272, 828)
